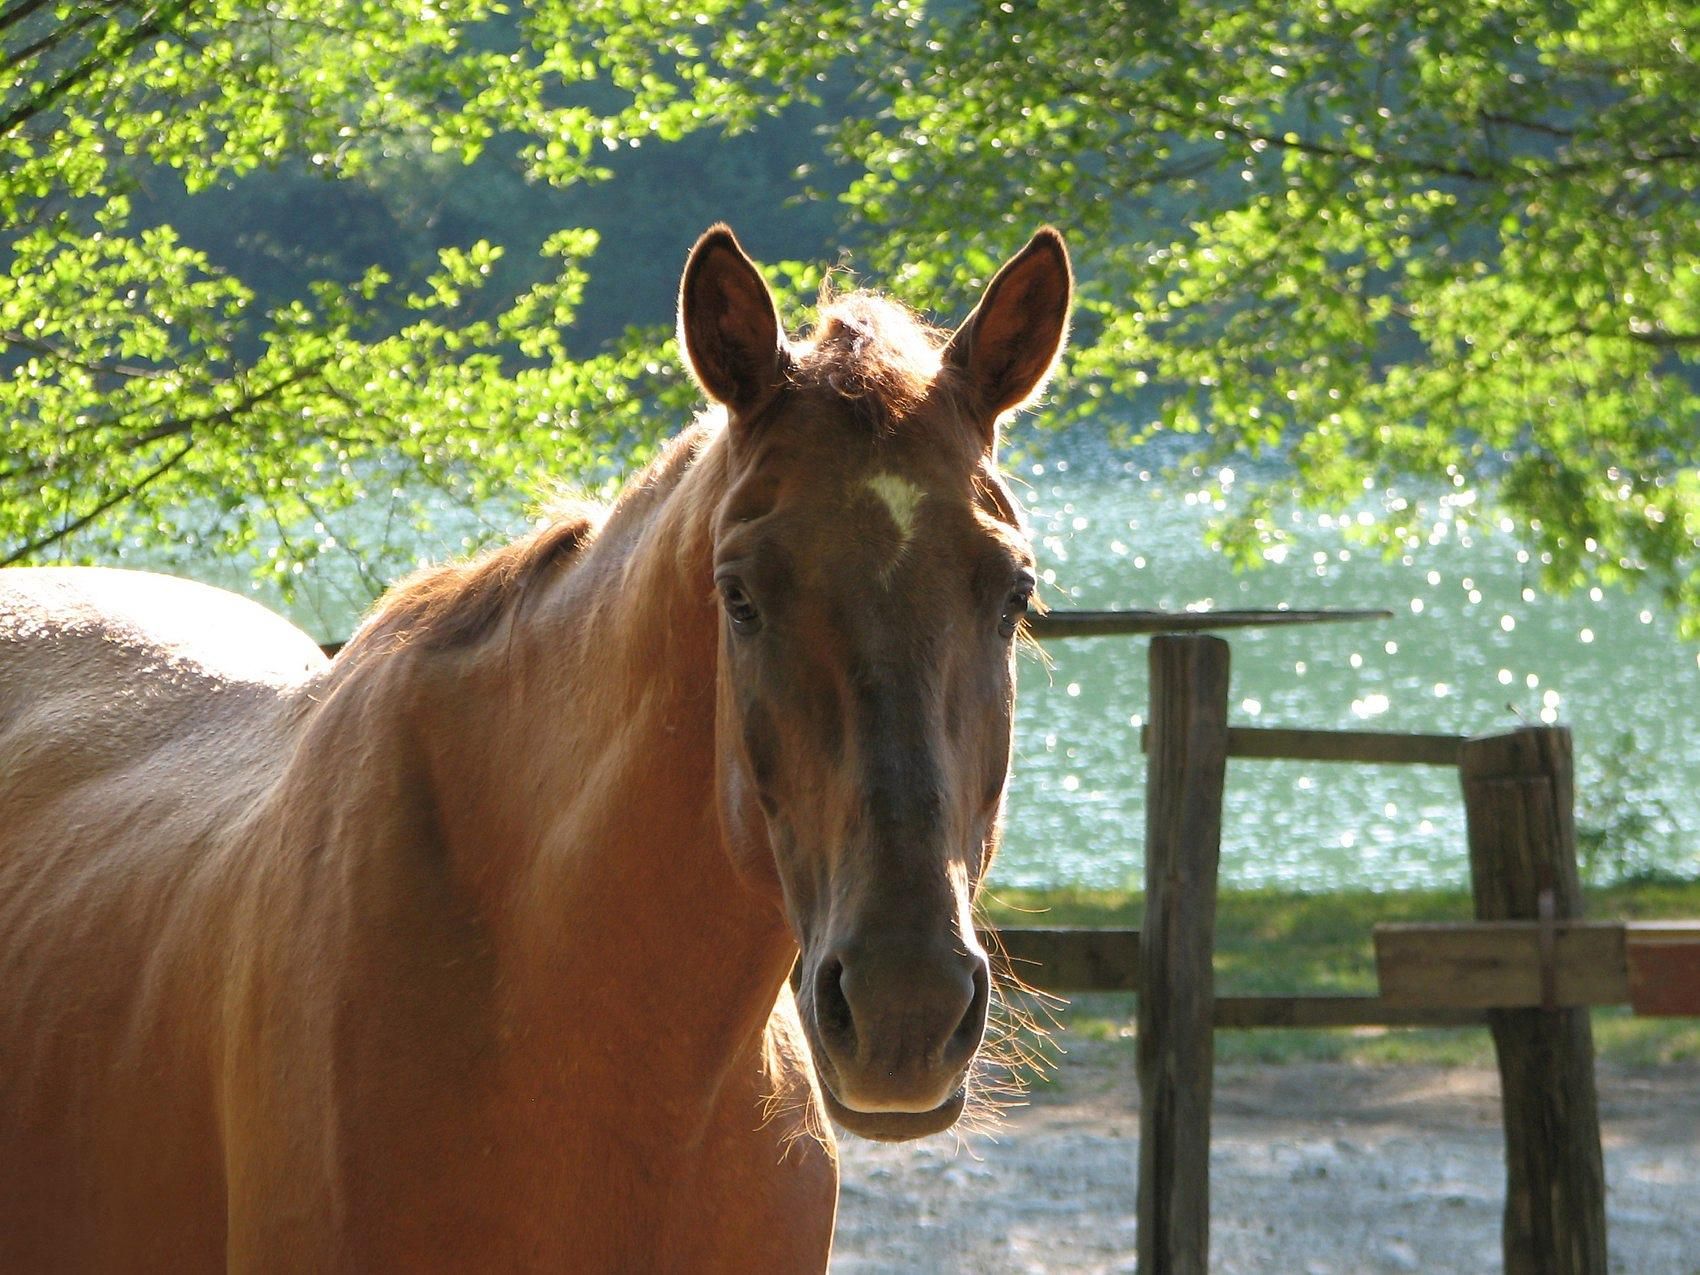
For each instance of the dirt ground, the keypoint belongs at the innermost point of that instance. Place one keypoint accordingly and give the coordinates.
(1316, 1169)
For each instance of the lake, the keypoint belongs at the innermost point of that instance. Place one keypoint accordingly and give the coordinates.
(1473, 646)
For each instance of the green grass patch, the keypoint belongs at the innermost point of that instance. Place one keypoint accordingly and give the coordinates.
(1271, 943)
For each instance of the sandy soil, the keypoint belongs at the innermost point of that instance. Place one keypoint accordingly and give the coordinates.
(1315, 1169)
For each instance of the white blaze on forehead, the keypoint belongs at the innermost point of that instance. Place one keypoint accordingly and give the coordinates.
(902, 500)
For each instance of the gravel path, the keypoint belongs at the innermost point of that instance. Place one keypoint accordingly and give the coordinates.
(1315, 1169)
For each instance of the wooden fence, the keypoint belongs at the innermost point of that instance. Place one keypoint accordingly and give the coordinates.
(1528, 968)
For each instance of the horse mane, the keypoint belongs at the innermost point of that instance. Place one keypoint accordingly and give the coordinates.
(874, 352)
(455, 604)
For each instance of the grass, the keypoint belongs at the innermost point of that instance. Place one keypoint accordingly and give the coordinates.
(1273, 943)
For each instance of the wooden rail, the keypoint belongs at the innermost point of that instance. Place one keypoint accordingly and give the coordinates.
(1360, 746)
(1429, 973)
(1066, 959)
(1070, 959)
(1082, 624)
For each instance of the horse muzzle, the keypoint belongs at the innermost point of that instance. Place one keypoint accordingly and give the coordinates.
(894, 1027)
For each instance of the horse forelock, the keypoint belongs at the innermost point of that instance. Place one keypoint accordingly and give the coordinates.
(877, 355)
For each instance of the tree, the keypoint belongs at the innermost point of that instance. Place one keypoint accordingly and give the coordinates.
(1365, 241)
(1457, 241)
(145, 389)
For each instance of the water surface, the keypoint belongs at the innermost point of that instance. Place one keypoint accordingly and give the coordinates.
(1474, 645)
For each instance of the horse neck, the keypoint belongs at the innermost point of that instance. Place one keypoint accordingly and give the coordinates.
(575, 768)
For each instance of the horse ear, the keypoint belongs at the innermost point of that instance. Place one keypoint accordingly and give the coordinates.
(1007, 347)
(727, 322)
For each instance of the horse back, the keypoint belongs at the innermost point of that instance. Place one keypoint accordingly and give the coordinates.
(142, 720)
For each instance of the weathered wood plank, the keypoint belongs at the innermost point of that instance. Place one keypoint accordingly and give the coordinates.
(1240, 1012)
(1519, 803)
(1362, 746)
(1065, 959)
(1497, 965)
(1273, 743)
(1176, 1047)
(1062, 959)
(1068, 624)
(1664, 968)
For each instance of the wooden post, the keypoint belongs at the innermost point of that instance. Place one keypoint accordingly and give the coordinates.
(1519, 806)
(1177, 989)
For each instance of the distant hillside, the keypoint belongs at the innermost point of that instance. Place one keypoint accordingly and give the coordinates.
(278, 228)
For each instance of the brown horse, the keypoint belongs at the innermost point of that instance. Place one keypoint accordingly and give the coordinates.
(469, 950)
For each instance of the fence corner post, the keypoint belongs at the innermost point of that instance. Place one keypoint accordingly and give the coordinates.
(1186, 768)
(1519, 807)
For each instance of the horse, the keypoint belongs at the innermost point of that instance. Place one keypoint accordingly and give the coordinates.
(473, 948)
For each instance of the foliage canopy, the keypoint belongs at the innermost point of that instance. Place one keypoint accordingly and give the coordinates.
(147, 389)
(1364, 240)
(1456, 241)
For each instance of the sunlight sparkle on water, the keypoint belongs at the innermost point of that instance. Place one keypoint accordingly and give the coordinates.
(1444, 663)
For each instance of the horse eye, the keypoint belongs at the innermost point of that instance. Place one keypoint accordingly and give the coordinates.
(739, 609)
(1016, 606)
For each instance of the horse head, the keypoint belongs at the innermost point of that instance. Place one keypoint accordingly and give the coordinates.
(871, 575)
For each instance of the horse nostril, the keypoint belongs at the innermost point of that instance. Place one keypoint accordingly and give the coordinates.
(832, 1008)
(966, 1038)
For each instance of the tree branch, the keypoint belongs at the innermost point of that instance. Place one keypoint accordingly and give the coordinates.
(55, 37)
(75, 525)
(100, 59)
(18, 12)
(100, 366)
(1528, 126)
(175, 425)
